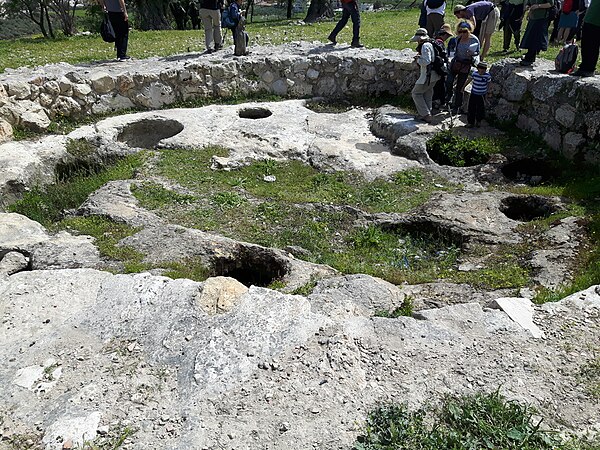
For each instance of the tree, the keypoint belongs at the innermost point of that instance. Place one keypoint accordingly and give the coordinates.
(34, 10)
(152, 14)
(319, 9)
(65, 11)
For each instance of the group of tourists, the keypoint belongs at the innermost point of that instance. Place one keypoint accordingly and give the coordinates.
(448, 62)
(210, 12)
(446, 70)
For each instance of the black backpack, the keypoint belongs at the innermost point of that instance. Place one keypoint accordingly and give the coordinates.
(107, 31)
(567, 58)
(554, 10)
(440, 60)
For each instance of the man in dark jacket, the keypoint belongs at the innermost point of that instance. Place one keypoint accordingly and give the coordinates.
(194, 14)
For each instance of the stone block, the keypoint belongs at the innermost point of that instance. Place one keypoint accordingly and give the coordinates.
(592, 122)
(367, 73)
(6, 131)
(51, 87)
(65, 86)
(81, 90)
(565, 115)
(553, 138)
(515, 87)
(520, 310)
(102, 82)
(280, 87)
(19, 89)
(572, 143)
(312, 74)
(267, 77)
(110, 102)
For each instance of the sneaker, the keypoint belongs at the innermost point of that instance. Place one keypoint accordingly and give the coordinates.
(125, 58)
(426, 118)
(331, 39)
(583, 73)
(218, 47)
(209, 51)
(356, 45)
(525, 62)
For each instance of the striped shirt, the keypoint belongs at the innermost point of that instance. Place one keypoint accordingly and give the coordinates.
(480, 83)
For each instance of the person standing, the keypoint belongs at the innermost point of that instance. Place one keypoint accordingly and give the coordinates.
(194, 14)
(435, 16)
(422, 92)
(465, 56)
(481, 79)
(485, 16)
(117, 14)
(569, 16)
(590, 41)
(349, 10)
(439, 90)
(536, 33)
(512, 16)
(178, 13)
(211, 20)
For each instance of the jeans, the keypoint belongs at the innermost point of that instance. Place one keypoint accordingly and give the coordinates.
(590, 46)
(117, 20)
(349, 10)
(476, 111)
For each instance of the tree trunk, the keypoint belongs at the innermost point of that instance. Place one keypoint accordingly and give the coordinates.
(318, 9)
(152, 14)
(290, 5)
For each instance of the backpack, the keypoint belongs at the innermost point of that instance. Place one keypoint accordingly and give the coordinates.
(226, 20)
(107, 31)
(434, 4)
(241, 39)
(440, 60)
(566, 58)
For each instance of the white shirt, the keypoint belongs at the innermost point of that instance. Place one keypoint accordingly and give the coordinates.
(441, 10)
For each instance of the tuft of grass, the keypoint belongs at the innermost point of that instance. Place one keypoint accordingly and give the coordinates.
(478, 421)
(47, 205)
(306, 289)
(153, 196)
(276, 285)
(107, 234)
(192, 269)
(80, 148)
(114, 439)
(448, 149)
(406, 309)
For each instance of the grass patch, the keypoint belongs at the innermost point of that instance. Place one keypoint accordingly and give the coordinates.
(114, 439)
(192, 269)
(448, 149)
(154, 196)
(107, 235)
(406, 309)
(80, 148)
(47, 205)
(306, 208)
(479, 421)
(380, 29)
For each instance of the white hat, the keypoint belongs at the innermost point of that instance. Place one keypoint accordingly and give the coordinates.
(420, 34)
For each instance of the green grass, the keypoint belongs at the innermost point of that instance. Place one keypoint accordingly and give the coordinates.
(470, 422)
(406, 309)
(381, 29)
(47, 205)
(448, 149)
(306, 208)
(590, 376)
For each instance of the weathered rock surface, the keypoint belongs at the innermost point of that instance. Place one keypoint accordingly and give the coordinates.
(199, 380)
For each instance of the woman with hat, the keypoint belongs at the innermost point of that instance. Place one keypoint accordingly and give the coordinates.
(535, 38)
(465, 56)
(422, 92)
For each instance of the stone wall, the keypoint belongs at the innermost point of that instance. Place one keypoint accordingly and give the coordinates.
(561, 109)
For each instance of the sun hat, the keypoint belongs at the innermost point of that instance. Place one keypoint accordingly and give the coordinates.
(482, 65)
(420, 34)
(459, 8)
(446, 29)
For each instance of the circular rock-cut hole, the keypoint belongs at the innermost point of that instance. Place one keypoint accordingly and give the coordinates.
(252, 266)
(529, 171)
(147, 133)
(254, 113)
(527, 208)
